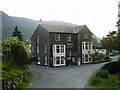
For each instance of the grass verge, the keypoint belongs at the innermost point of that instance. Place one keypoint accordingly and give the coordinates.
(111, 82)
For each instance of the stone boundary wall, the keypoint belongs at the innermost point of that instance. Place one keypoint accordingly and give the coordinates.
(12, 82)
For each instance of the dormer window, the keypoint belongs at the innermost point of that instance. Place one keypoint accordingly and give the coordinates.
(68, 37)
(85, 36)
(57, 37)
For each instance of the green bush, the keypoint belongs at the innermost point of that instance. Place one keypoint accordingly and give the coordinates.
(5, 75)
(106, 57)
(96, 53)
(100, 55)
(102, 73)
(94, 80)
(96, 58)
(111, 82)
(26, 81)
(16, 50)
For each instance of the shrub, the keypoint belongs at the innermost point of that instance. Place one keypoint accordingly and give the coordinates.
(102, 73)
(113, 67)
(106, 57)
(94, 80)
(5, 75)
(111, 82)
(96, 58)
(100, 55)
(17, 50)
(96, 53)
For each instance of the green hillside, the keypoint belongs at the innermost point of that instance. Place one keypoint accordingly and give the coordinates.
(26, 26)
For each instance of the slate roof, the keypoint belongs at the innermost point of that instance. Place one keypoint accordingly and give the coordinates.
(62, 29)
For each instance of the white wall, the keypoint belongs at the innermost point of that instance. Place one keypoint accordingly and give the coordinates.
(103, 51)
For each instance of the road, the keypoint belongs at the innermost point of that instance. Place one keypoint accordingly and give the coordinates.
(115, 58)
(63, 77)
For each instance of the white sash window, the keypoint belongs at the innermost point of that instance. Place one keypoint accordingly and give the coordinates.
(58, 55)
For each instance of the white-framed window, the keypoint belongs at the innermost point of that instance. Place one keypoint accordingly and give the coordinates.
(37, 48)
(62, 49)
(38, 39)
(57, 37)
(86, 44)
(45, 60)
(59, 55)
(85, 36)
(57, 60)
(54, 61)
(54, 49)
(102, 50)
(62, 60)
(58, 48)
(69, 54)
(89, 45)
(86, 57)
(83, 46)
(68, 37)
(83, 57)
(45, 49)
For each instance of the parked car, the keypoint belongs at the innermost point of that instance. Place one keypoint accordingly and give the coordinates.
(111, 54)
(115, 52)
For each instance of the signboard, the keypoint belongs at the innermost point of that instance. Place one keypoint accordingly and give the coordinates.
(69, 45)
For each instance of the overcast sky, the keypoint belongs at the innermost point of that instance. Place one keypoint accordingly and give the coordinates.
(99, 15)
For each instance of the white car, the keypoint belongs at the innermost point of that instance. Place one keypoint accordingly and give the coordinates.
(38, 62)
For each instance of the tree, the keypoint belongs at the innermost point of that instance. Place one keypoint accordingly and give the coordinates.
(118, 34)
(111, 41)
(118, 23)
(17, 33)
(16, 51)
(94, 40)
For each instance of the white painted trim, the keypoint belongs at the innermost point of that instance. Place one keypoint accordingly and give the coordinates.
(57, 37)
(54, 61)
(46, 60)
(37, 48)
(58, 55)
(59, 64)
(68, 37)
(38, 40)
(86, 51)
(45, 48)
(54, 48)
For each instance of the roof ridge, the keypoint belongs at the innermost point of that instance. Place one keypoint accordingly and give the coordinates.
(62, 28)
